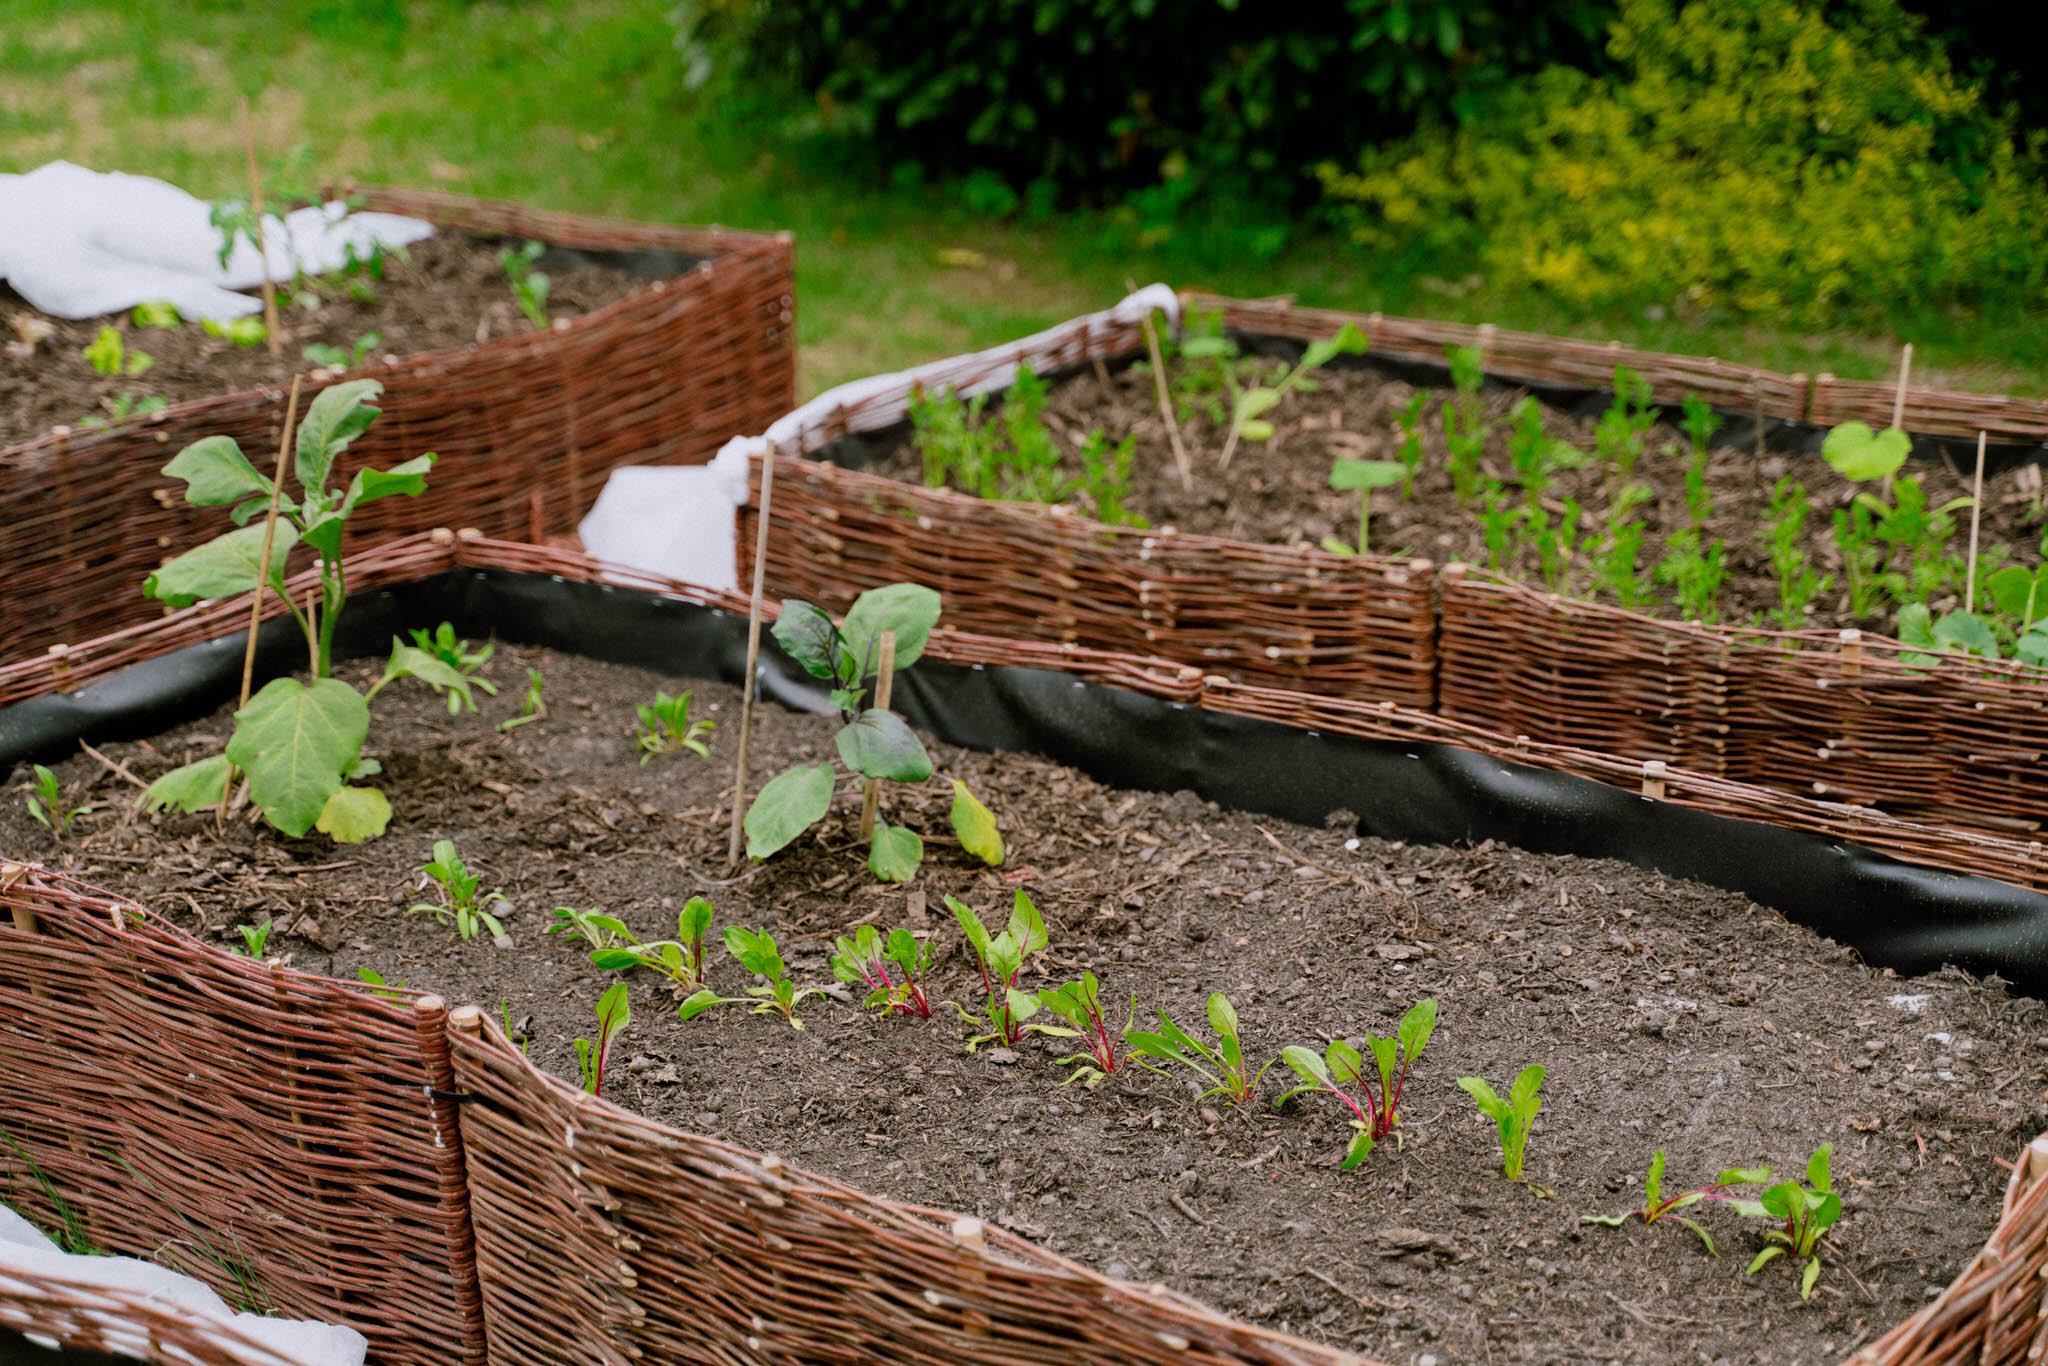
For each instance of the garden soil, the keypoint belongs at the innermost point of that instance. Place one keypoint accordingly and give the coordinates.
(1668, 1015)
(452, 291)
(1278, 492)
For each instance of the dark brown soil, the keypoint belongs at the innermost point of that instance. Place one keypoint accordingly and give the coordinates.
(1279, 491)
(1668, 1014)
(452, 292)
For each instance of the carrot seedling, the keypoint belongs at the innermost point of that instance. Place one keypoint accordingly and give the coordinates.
(614, 1013)
(1807, 1212)
(1003, 1007)
(1342, 1066)
(893, 970)
(775, 994)
(1514, 1116)
(1656, 1205)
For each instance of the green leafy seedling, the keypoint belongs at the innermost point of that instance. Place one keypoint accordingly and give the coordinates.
(110, 355)
(122, 408)
(1004, 1008)
(46, 804)
(595, 928)
(531, 707)
(243, 332)
(1656, 1205)
(1956, 632)
(681, 959)
(459, 904)
(665, 726)
(512, 1032)
(374, 980)
(775, 994)
(1249, 406)
(334, 358)
(1342, 1066)
(159, 314)
(1363, 476)
(255, 939)
(893, 970)
(529, 286)
(1079, 1003)
(1860, 454)
(1514, 1116)
(614, 1013)
(1807, 1212)
(444, 645)
(1221, 1064)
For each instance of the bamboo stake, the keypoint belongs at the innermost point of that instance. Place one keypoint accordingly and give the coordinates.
(885, 683)
(1180, 452)
(271, 337)
(1976, 516)
(1899, 398)
(284, 446)
(739, 780)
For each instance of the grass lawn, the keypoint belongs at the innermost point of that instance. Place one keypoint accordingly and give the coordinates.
(577, 104)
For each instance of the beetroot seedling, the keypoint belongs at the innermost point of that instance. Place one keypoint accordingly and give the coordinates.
(1656, 1205)
(1221, 1064)
(775, 994)
(1003, 1007)
(595, 928)
(1342, 1066)
(46, 804)
(681, 959)
(443, 644)
(459, 904)
(665, 726)
(892, 970)
(1514, 1117)
(614, 1013)
(1807, 1212)
(1079, 1003)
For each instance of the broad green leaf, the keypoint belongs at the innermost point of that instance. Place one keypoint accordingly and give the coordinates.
(910, 610)
(616, 960)
(1817, 1167)
(1653, 1184)
(1416, 1027)
(2032, 648)
(217, 473)
(409, 661)
(354, 814)
(408, 479)
(1306, 1064)
(1346, 1062)
(1744, 1176)
(294, 742)
(1360, 1149)
(1489, 1102)
(694, 920)
(1257, 429)
(336, 417)
(894, 852)
(614, 1012)
(807, 636)
(1968, 632)
(791, 803)
(1784, 1200)
(198, 786)
(754, 950)
(1346, 473)
(1222, 1015)
(1858, 453)
(698, 1003)
(1523, 1091)
(1022, 1005)
(1027, 926)
(2020, 594)
(1349, 341)
(970, 925)
(1826, 1210)
(1254, 403)
(975, 826)
(1763, 1259)
(880, 744)
(223, 567)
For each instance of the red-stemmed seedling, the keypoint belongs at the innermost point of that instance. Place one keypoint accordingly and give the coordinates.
(1657, 1206)
(1342, 1066)
(893, 971)
(1004, 1008)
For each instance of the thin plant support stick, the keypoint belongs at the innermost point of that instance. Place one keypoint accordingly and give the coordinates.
(739, 777)
(1976, 516)
(284, 446)
(1180, 452)
(271, 337)
(1905, 374)
(885, 684)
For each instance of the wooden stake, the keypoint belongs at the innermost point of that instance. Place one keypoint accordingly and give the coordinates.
(1976, 516)
(1653, 779)
(1905, 373)
(973, 1236)
(24, 918)
(885, 684)
(739, 780)
(1180, 452)
(271, 338)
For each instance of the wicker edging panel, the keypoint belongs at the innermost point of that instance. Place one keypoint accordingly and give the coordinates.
(527, 426)
(285, 1117)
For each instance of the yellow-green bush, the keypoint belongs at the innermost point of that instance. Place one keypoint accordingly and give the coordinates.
(1752, 157)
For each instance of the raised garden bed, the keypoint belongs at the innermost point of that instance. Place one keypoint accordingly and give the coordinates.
(527, 422)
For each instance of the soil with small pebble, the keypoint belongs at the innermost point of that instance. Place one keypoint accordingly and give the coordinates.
(1278, 492)
(450, 291)
(1668, 1014)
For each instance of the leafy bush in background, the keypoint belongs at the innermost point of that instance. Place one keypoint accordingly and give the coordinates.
(1745, 157)
(1112, 95)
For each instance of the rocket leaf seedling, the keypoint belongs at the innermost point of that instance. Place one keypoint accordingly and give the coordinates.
(681, 959)
(1221, 1064)
(1364, 476)
(236, 331)
(46, 804)
(1003, 1007)
(893, 970)
(665, 726)
(1514, 1116)
(1656, 1205)
(614, 1013)
(1807, 1212)
(158, 313)
(1079, 1003)
(1342, 1065)
(459, 904)
(774, 995)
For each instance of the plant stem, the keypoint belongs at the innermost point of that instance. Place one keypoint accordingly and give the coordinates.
(885, 681)
(739, 781)
(270, 328)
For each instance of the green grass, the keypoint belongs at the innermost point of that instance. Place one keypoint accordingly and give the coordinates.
(577, 104)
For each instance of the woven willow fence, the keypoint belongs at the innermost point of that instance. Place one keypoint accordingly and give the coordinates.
(527, 426)
(399, 1167)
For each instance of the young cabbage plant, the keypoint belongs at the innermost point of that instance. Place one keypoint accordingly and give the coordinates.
(1003, 1007)
(298, 743)
(665, 726)
(443, 644)
(681, 959)
(774, 995)
(1807, 1212)
(1079, 1003)
(2022, 599)
(459, 904)
(872, 742)
(1514, 1117)
(893, 969)
(1221, 1064)
(1899, 525)
(1342, 1066)
(614, 1013)
(1363, 476)
(46, 804)
(1657, 1205)
(1249, 406)
(529, 286)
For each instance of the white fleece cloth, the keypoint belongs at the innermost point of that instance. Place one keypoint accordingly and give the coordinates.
(26, 1254)
(82, 244)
